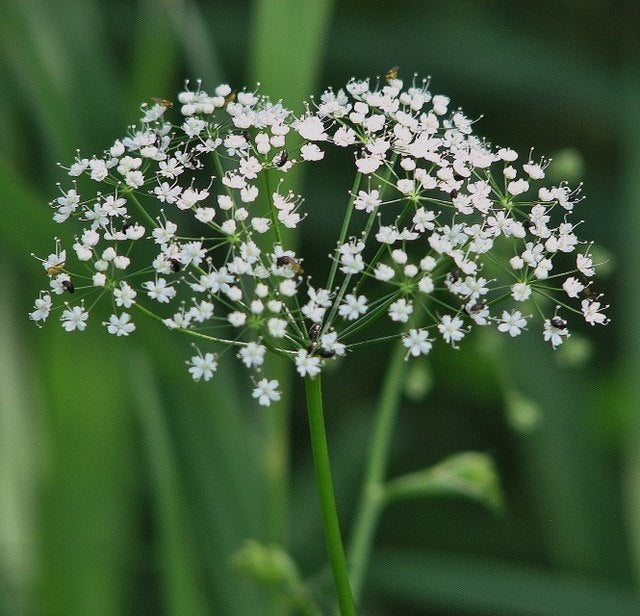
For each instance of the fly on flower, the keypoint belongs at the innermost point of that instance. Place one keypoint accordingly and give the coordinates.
(391, 74)
(163, 102)
(291, 263)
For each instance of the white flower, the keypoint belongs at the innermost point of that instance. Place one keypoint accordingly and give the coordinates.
(426, 285)
(535, 172)
(400, 310)
(367, 201)
(310, 151)
(433, 237)
(203, 367)
(311, 128)
(591, 312)
(237, 318)
(383, 272)
(512, 322)
(517, 187)
(120, 325)
(423, 219)
(42, 308)
(266, 392)
(288, 287)
(353, 307)
(344, 137)
(387, 235)
(329, 342)
(368, 164)
(405, 186)
(417, 341)
(124, 296)
(584, 264)
(160, 290)
(507, 154)
(520, 291)
(74, 318)
(572, 286)
(277, 327)
(399, 256)
(307, 365)
(555, 333)
(261, 225)
(252, 355)
(451, 329)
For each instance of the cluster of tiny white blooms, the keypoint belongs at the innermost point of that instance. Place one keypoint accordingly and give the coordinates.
(439, 228)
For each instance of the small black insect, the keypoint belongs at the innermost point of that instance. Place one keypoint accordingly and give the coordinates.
(454, 276)
(326, 353)
(175, 265)
(68, 285)
(314, 331)
(478, 307)
(280, 159)
(558, 323)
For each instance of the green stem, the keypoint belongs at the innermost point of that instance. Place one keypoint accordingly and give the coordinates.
(343, 231)
(313, 388)
(372, 498)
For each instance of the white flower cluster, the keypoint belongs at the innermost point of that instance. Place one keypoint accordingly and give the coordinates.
(439, 228)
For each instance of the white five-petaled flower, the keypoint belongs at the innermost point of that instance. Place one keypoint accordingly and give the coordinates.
(252, 355)
(307, 365)
(74, 318)
(120, 325)
(591, 311)
(42, 308)
(203, 366)
(512, 322)
(418, 342)
(160, 290)
(353, 307)
(451, 328)
(266, 392)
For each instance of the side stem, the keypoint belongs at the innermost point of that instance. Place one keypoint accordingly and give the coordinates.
(337, 560)
(372, 498)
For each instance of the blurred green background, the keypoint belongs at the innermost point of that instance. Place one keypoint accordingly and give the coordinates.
(125, 488)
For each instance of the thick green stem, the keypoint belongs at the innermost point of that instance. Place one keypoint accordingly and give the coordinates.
(324, 485)
(372, 498)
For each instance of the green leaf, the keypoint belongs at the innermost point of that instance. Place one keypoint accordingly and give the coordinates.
(181, 583)
(288, 46)
(470, 474)
(272, 566)
(20, 463)
(467, 585)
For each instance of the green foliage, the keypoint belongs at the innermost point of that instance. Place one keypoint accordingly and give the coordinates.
(126, 488)
(470, 475)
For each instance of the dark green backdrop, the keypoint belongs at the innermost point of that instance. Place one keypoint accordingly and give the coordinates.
(125, 487)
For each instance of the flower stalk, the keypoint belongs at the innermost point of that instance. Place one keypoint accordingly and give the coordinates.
(337, 560)
(372, 496)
